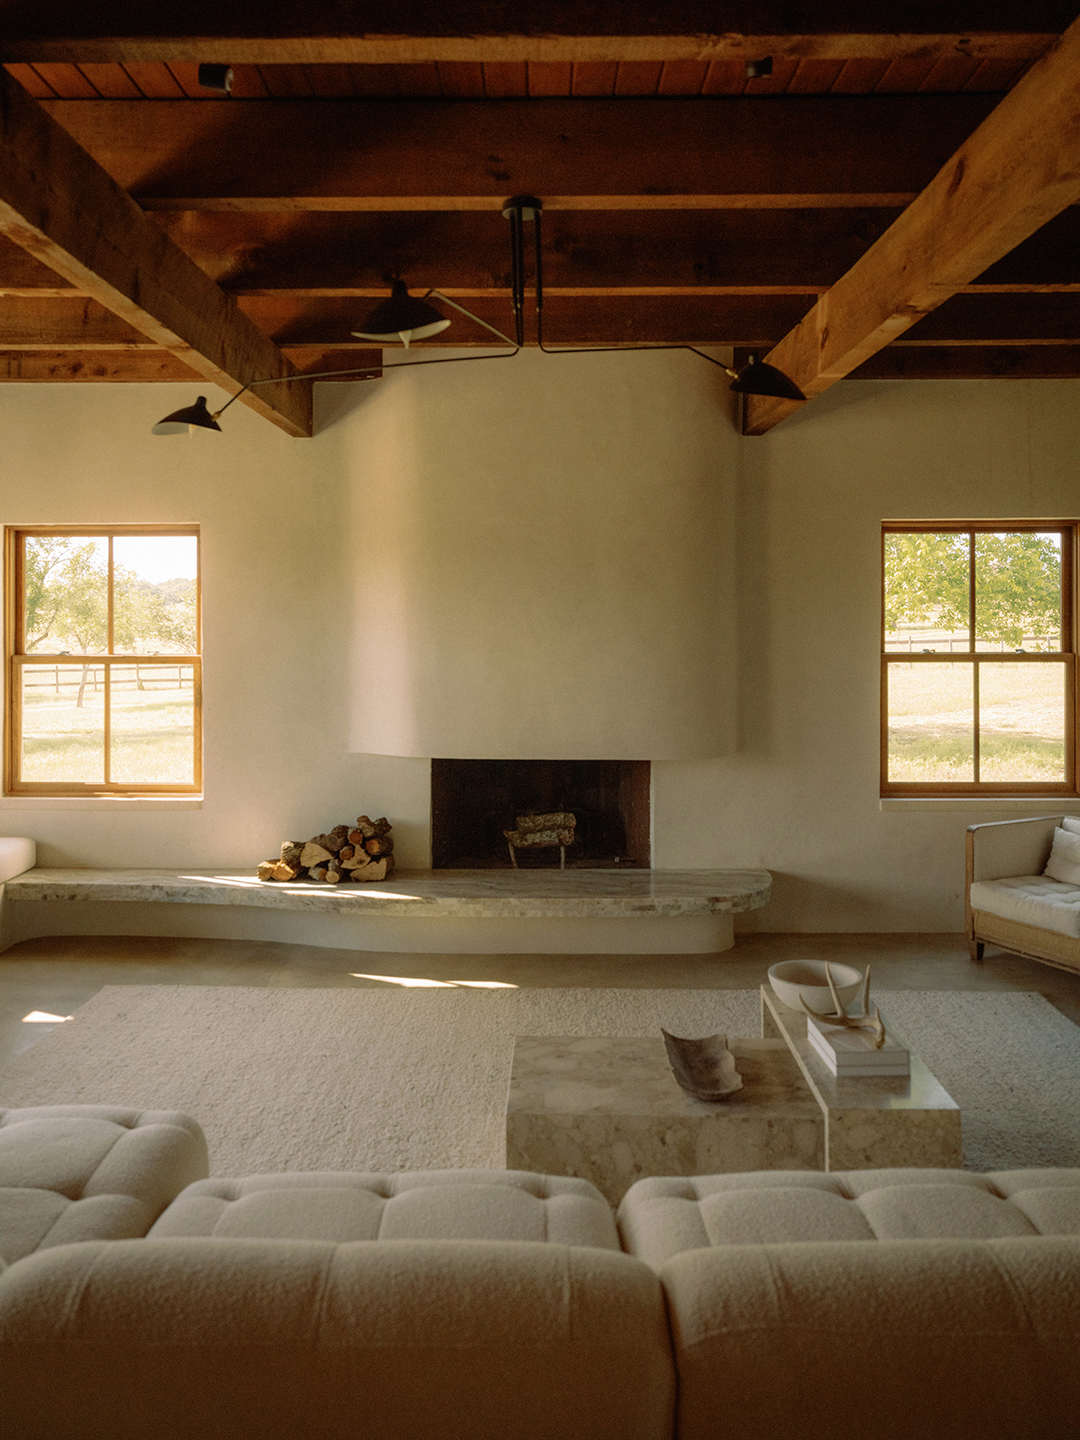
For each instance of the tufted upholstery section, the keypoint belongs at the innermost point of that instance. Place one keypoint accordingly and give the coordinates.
(937, 1339)
(88, 1172)
(200, 1339)
(1032, 900)
(410, 1205)
(661, 1217)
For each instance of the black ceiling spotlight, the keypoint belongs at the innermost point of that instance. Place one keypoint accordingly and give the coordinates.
(216, 77)
(759, 69)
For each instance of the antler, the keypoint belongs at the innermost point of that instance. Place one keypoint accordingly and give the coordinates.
(851, 1022)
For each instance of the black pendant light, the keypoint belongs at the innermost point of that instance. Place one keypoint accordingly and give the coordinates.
(403, 318)
(191, 418)
(757, 377)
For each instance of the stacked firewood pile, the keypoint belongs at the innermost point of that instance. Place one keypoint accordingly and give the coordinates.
(364, 851)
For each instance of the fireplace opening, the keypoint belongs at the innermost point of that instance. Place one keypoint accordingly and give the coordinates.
(475, 802)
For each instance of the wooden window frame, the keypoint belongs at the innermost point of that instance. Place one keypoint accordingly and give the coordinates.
(16, 658)
(1070, 557)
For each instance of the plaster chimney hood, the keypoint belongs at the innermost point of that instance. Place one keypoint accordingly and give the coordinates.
(544, 561)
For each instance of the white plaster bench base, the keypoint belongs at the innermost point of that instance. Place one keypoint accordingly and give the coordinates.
(590, 912)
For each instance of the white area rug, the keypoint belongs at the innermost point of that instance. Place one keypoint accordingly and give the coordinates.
(378, 1080)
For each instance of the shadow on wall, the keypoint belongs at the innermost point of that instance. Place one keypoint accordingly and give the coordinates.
(801, 904)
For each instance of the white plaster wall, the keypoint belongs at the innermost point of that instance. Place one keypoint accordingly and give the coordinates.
(275, 620)
(544, 559)
(800, 795)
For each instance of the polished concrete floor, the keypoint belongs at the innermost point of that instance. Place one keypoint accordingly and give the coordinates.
(54, 976)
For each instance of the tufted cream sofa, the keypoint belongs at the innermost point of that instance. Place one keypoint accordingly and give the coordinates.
(493, 1305)
(1008, 901)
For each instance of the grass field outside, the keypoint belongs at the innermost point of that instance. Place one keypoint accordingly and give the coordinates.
(152, 732)
(1021, 723)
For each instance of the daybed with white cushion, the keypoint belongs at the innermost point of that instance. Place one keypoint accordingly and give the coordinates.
(1022, 888)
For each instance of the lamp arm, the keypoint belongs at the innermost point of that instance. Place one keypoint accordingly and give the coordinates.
(375, 371)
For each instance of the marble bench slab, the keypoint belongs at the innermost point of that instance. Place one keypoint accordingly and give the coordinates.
(573, 893)
(492, 911)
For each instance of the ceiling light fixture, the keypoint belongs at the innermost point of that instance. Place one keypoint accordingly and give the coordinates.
(757, 377)
(405, 318)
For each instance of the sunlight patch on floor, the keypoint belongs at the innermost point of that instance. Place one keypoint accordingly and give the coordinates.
(414, 983)
(41, 1017)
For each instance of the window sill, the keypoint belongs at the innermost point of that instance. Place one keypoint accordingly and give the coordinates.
(101, 802)
(1019, 804)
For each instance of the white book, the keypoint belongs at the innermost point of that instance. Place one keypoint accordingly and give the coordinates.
(853, 1052)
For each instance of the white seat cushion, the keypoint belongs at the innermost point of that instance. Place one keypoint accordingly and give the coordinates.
(1032, 900)
(90, 1172)
(16, 855)
(662, 1217)
(411, 1205)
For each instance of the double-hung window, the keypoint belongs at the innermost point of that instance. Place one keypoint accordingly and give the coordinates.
(978, 662)
(104, 676)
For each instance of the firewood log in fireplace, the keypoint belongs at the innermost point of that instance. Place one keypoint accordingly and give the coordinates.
(542, 832)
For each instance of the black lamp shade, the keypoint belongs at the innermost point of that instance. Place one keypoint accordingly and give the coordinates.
(758, 378)
(182, 420)
(403, 318)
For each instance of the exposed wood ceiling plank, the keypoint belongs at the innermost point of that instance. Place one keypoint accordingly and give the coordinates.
(59, 205)
(470, 251)
(782, 151)
(578, 317)
(327, 31)
(972, 362)
(1018, 170)
(963, 362)
(146, 366)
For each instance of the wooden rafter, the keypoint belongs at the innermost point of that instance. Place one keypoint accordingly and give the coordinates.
(58, 204)
(407, 31)
(1019, 169)
(805, 151)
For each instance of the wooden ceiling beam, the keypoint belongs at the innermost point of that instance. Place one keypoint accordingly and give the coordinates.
(790, 151)
(1018, 170)
(58, 204)
(409, 31)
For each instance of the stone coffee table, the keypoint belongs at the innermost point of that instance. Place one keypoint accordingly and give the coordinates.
(609, 1110)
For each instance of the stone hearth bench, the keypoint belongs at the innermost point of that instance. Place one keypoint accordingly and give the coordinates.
(440, 911)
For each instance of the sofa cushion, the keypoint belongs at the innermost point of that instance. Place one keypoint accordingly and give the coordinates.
(659, 1217)
(1032, 900)
(934, 1339)
(1064, 862)
(85, 1172)
(199, 1339)
(411, 1205)
(16, 855)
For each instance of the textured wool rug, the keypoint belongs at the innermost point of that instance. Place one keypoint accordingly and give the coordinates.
(377, 1080)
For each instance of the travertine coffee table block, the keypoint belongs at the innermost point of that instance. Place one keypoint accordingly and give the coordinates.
(609, 1110)
(872, 1122)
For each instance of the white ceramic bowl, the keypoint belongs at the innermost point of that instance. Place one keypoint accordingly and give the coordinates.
(796, 980)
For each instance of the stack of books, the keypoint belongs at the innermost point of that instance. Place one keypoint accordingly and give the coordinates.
(853, 1052)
